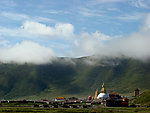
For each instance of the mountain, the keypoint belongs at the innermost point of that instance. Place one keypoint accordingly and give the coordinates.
(73, 77)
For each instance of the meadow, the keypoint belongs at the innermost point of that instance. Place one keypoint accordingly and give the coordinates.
(73, 110)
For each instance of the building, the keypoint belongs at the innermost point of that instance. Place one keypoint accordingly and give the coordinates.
(112, 100)
(116, 100)
(103, 94)
(59, 99)
(136, 92)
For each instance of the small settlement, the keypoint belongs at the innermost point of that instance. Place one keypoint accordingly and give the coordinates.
(101, 99)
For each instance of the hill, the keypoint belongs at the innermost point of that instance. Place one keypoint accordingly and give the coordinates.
(143, 99)
(72, 77)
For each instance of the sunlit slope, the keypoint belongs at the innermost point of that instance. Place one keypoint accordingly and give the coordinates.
(142, 99)
(120, 75)
(73, 77)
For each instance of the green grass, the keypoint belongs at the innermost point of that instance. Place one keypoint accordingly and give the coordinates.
(142, 99)
(73, 110)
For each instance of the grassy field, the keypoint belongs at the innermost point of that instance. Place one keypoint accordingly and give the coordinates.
(73, 110)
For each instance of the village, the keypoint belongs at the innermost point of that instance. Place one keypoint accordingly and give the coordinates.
(101, 99)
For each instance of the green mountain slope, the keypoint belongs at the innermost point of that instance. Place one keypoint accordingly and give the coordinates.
(73, 77)
(143, 99)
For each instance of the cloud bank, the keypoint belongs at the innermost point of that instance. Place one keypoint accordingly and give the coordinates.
(135, 45)
(27, 51)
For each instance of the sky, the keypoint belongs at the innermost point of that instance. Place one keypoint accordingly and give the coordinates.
(38, 31)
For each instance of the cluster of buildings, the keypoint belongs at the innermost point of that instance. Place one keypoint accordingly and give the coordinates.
(101, 98)
(112, 99)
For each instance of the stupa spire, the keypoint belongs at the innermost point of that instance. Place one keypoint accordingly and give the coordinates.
(103, 90)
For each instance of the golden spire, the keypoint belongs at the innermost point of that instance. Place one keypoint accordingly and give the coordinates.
(103, 90)
(103, 85)
(96, 94)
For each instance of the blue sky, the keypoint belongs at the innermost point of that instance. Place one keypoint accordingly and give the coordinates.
(72, 28)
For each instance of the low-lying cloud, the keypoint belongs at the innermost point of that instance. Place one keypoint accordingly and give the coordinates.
(27, 51)
(136, 45)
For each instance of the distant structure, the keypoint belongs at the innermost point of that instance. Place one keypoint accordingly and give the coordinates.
(103, 95)
(136, 92)
(112, 99)
(96, 94)
(59, 99)
(89, 98)
(116, 100)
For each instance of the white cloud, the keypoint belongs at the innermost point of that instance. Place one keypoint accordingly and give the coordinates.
(90, 13)
(107, 1)
(60, 30)
(25, 17)
(42, 19)
(27, 51)
(141, 4)
(14, 33)
(146, 27)
(98, 2)
(136, 45)
(38, 28)
(14, 16)
(56, 12)
(96, 35)
(4, 43)
(90, 44)
(31, 29)
(131, 17)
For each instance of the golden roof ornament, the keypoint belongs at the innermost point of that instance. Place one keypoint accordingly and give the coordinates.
(103, 90)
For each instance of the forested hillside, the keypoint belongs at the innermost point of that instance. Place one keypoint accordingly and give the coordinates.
(67, 76)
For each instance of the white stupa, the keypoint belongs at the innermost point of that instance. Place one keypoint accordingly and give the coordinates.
(103, 95)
